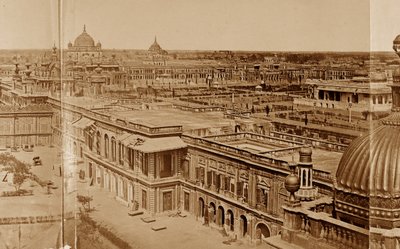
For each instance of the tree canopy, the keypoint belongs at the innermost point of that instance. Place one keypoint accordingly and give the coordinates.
(19, 169)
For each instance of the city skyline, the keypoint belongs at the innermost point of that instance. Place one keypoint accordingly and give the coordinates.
(268, 25)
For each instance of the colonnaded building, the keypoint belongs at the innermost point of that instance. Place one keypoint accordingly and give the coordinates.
(256, 184)
(233, 181)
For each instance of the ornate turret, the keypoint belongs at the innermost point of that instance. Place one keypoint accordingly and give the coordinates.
(305, 171)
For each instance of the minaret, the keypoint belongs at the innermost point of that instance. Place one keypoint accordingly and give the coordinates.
(54, 53)
(396, 79)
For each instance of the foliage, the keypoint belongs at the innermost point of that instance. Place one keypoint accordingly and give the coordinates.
(19, 169)
(301, 58)
(85, 201)
(105, 231)
(21, 192)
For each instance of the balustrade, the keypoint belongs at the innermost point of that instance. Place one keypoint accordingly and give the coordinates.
(340, 236)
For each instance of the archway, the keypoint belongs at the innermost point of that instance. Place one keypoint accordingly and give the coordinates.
(212, 212)
(237, 128)
(98, 140)
(106, 146)
(201, 207)
(231, 219)
(262, 231)
(243, 225)
(221, 216)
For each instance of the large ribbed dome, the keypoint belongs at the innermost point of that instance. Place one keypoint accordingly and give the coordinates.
(367, 187)
(370, 167)
(84, 40)
(397, 40)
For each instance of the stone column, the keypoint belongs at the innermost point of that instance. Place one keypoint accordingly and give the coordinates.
(150, 166)
(252, 189)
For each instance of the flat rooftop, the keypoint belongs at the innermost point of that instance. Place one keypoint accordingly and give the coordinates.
(170, 116)
(277, 148)
(323, 160)
(87, 102)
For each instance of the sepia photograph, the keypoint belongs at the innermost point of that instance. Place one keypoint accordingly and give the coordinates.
(199, 124)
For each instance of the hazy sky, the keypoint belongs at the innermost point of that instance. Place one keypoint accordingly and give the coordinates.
(268, 25)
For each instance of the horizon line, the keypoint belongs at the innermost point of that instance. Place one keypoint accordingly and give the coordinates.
(233, 50)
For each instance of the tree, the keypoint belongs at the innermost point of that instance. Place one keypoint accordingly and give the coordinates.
(85, 201)
(19, 169)
(18, 180)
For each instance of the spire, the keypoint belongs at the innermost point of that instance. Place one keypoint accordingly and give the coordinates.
(84, 27)
(155, 39)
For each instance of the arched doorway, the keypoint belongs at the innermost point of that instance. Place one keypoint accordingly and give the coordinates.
(201, 207)
(231, 219)
(237, 128)
(265, 233)
(221, 216)
(262, 231)
(243, 225)
(212, 212)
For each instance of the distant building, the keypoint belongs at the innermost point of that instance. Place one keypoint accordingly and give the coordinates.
(364, 211)
(26, 126)
(84, 48)
(360, 94)
(156, 55)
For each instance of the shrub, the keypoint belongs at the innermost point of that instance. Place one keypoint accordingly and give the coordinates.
(105, 231)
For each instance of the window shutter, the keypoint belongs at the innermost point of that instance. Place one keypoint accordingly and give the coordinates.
(239, 188)
(209, 177)
(197, 173)
(259, 196)
(265, 198)
(218, 181)
(214, 178)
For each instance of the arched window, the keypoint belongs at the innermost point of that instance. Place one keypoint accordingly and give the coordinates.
(98, 139)
(113, 149)
(106, 146)
(120, 153)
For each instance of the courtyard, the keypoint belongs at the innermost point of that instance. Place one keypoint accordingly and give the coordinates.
(180, 233)
(41, 203)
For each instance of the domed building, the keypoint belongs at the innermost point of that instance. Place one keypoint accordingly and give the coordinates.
(368, 184)
(156, 55)
(365, 204)
(367, 189)
(84, 48)
(155, 48)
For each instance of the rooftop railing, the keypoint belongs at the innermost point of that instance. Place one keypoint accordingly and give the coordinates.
(125, 124)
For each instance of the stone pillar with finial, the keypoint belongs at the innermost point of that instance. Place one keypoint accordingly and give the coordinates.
(292, 185)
